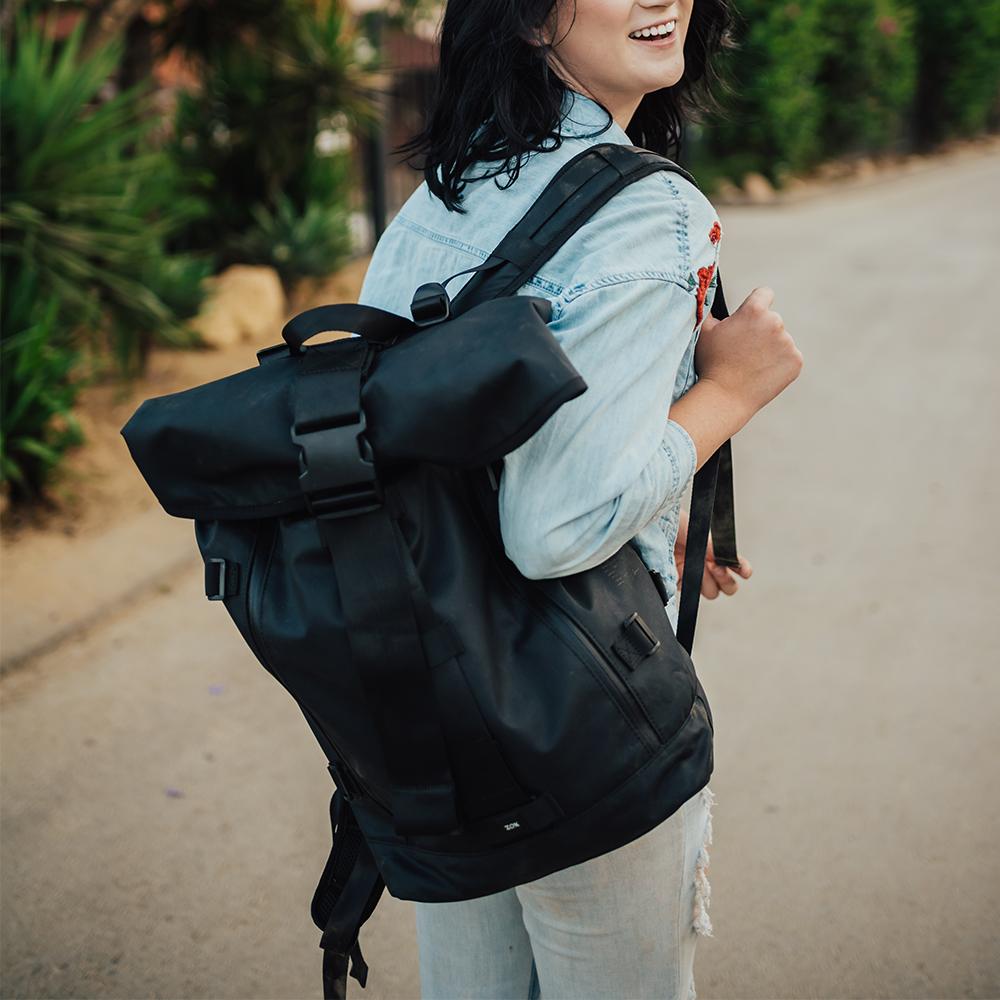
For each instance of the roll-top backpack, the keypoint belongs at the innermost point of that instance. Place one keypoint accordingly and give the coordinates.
(482, 729)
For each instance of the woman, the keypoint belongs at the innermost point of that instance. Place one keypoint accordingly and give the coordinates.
(525, 85)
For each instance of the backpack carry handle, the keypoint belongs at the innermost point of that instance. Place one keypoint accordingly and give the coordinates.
(378, 326)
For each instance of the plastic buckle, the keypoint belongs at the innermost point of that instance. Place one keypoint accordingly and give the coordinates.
(430, 304)
(221, 578)
(337, 471)
(634, 624)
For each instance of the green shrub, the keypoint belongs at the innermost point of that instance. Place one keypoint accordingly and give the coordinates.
(866, 77)
(86, 209)
(774, 116)
(820, 79)
(36, 389)
(87, 205)
(959, 68)
(247, 144)
(295, 243)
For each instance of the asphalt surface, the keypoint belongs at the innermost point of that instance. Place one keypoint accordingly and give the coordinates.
(164, 805)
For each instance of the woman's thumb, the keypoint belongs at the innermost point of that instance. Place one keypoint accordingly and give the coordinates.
(709, 322)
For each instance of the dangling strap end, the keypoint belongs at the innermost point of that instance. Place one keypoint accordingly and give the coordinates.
(334, 975)
(359, 967)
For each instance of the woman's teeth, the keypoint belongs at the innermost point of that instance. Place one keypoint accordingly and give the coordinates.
(656, 32)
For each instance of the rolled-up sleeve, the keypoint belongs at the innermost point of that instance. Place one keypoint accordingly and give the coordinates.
(606, 463)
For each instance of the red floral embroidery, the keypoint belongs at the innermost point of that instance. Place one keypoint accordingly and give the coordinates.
(704, 279)
(705, 273)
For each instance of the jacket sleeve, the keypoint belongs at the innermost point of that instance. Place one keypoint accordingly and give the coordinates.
(606, 463)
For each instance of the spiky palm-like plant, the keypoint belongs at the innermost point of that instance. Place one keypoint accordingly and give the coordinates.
(85, 214)
(85, 205)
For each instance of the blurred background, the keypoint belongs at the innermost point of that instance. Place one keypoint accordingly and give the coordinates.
(178, 178)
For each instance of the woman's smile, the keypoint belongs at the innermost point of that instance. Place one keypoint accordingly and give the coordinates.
(657, 35)
(593, 46)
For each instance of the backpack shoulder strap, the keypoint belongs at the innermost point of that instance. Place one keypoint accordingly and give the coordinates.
(575, 192)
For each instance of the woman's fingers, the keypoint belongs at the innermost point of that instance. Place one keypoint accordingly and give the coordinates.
(718, 579)
(722, 577)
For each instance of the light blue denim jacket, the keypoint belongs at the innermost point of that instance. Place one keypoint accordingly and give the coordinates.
(629, 291)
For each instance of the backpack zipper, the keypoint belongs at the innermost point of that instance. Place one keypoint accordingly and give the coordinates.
(341, 763)
(252, 587)
(577, 637)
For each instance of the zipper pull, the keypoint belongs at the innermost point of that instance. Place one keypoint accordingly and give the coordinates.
(494, 476)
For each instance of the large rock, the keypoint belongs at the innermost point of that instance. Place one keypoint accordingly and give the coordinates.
(758, 189)
(245, 303)
(728, 193)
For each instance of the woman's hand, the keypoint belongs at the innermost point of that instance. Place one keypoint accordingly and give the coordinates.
(749, 355)
(714, 577)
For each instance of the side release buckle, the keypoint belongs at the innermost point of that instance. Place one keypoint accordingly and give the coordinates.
(337, 469)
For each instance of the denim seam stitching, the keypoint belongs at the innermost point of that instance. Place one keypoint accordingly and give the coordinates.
(688, 445)
(675, 470)
(683, 236)
(537, 281)
(622, 277)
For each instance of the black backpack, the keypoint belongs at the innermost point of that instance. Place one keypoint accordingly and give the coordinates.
(482, 729)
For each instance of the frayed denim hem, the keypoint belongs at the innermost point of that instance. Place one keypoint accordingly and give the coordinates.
(703, 891)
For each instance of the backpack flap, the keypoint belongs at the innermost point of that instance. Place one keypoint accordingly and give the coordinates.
(459, 393)
(222, 449)
(466, 391)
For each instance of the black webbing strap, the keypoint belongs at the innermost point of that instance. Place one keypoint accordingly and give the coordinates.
(374, 324)
(711, 504)
(488, 785)
(577, 190)
(348, 892)
(368, 560)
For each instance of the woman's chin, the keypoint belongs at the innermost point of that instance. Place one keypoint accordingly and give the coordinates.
(664, 77)
(662, 83)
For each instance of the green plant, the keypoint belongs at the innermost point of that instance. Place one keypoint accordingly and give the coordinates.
(866, 76)
(773, 118)
(296, 243)
(87, 205)
(247, 140)
(37, 392)
(959, 56)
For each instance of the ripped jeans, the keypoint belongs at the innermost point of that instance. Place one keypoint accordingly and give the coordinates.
(621, 926)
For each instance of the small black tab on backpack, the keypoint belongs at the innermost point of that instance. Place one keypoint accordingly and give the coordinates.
(637, 642)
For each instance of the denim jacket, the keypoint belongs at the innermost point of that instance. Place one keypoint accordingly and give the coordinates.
(629, 291)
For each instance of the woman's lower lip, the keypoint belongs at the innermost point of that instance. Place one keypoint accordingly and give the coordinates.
(660, 42)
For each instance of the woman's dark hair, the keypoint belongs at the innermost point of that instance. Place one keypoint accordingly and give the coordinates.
(491, 76)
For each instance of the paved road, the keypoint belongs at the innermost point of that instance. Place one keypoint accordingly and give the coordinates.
(164, 804)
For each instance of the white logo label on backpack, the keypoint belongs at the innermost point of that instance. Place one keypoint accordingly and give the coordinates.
(511, 826)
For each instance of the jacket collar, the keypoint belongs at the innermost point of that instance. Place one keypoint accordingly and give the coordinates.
(583, 115)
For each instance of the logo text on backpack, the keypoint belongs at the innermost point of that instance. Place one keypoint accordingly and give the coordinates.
(511, 826)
